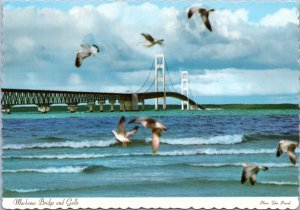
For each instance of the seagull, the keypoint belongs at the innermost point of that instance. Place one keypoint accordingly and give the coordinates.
(157, 129)
(151, 40)
(85, 51)
(251, 171)
(288, 147)
(204, 13)
(121, 135)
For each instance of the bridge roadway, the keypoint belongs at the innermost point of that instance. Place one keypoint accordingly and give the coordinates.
(44, 98)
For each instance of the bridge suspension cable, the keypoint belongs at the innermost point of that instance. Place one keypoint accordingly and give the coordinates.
(170, 77)
(146, 78)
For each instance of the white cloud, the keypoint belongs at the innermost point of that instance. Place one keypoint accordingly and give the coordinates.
(237, 82)
(281, 18)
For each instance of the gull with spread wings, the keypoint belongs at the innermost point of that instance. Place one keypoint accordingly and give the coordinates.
(157, 129)
(121, 134)
(288, 147)
(204, 13)
(250, 171)
(85, 52)
(151, 40)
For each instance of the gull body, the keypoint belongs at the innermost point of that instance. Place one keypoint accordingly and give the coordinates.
(151, 40)
(85, 52)
(204, 13)
(156, 127)
(250, 171)
(288, 147)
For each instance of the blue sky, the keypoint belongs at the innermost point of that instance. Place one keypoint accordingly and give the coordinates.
(250, 57)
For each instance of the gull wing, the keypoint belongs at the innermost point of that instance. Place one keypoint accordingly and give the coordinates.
(80, 57)
(155, 140)
(85, 47)
(279, 150)
(192, 11)
(132, 132)
(244, 176)
(121, 126)
(292, 156)
(205, 20)
(253, 178)
(148, 37)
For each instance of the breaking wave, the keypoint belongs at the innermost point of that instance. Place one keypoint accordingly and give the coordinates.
(69, 144)
(222, 139)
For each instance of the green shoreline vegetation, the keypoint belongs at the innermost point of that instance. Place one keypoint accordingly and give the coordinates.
(83, 108)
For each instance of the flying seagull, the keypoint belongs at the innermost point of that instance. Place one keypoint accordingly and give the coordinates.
(288, 147)
(121, 134)
(151, 40)
(204, 13)
(157, 129)
(85, 51)
(250, 171)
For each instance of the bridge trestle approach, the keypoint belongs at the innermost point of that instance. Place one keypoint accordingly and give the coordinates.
(45, 98)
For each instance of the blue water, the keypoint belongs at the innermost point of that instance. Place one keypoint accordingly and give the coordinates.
(62, 154)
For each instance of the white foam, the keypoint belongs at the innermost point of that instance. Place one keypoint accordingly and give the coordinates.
(66, 169)
(213, 151)
(70, 144)
(222, 139)
(279, 183)
(25, 190)
(271, 165)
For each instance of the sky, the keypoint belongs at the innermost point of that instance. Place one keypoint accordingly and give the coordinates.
(249, 57)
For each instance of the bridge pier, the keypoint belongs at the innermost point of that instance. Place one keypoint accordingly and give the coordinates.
(43, 108)
(142, 101)
(122, 105)
(72, 107)
(91, 106)
(112, 105)
(101, 104)
(6, 109)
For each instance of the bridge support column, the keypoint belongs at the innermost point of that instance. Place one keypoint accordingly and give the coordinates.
(43, 108)
(122, 105)
(135, 102)
(91, 106)
(142, 101)
(6, 109)
(72, 107)
(101, 104)
(112, 105)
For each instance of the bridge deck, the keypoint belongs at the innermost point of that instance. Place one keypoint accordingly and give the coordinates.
(11, 97)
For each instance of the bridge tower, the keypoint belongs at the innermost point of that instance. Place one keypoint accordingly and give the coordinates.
(185, 89)
(160, 79)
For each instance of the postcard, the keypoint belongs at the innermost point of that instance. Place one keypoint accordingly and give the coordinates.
(150, 104)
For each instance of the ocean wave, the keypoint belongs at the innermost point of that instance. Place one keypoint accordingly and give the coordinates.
(271, 165)
(24, 190)
(279, 183)
(66, 169)
(69, 144)
(222, 139)
(205, 151)
(213, 151)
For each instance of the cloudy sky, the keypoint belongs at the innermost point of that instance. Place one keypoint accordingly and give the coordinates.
(250, 57)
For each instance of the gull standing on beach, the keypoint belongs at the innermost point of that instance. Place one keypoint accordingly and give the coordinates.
(157, 129)
(250, 171)
(151, 40)
(288, 147)
(121, 135)
(204, 13)
(85, 52)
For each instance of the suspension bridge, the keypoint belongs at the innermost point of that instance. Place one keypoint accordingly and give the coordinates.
(154, 87)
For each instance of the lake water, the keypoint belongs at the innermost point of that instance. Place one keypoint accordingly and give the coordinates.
(63, 154)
